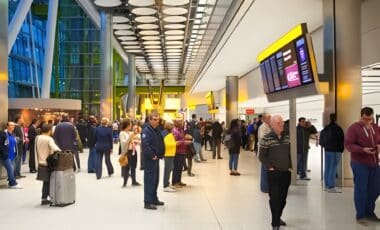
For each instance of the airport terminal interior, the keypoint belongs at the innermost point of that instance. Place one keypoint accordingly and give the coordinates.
(200, 65)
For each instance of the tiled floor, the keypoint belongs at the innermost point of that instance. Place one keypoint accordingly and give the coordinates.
(213, 200)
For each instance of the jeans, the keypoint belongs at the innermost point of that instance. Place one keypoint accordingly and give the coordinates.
(301, 167)
(264, 179)
(365, 193)
(179, 161)
(91, 162)
(233, 163)
(216, 147)
(169, 166)
(198, 149)
(10, 172)
(278, 185)
(331, 162)
(20, 150)
(99, 162)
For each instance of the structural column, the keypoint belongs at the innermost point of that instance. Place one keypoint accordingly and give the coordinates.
(106, 51)
(131, 104)
(17, 21)
(232, 97)
(49, 47)
(3, 62)
(342, 54)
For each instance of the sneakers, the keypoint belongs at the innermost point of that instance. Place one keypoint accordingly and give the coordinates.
(169, 189)
(333, 190)
(362, 221)
(17, 186)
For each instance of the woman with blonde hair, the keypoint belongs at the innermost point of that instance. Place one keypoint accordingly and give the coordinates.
(103, 145)
(170, 150)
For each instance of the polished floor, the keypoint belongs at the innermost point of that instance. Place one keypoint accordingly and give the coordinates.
(212, 200)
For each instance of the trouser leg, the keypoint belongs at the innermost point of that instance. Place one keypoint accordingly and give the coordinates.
(275, 203)
(18, 160)
(361, 175)
(264, 179)
(108, 163)
(32, 157)
(45, 189)
(99, 162)
(189, 163)
(133, 167)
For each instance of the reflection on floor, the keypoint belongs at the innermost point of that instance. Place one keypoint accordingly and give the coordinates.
(212, 200)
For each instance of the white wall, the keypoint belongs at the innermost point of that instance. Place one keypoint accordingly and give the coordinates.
(370, 32)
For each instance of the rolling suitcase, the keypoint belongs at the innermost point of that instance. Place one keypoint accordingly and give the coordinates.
(62, 188)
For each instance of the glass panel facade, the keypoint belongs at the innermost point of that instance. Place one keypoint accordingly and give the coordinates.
(78, 61)
(25, 72)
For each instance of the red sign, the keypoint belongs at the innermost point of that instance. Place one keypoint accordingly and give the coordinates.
(250, 111)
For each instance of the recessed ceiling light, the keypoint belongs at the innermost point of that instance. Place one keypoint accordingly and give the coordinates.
(175, 19)
(174, 26)
(141, 2)
(127, 38)
(146, 19)
(119, 19)
(129, 43)
(124, 32)
(174, 43)
(152, 47)
(197, 21)
(174, 32)
(149, 32)
(151, 42)
(131, 47)
(175, 2)
(121, 26)
(150, 38)
(144, 11)
(147, 26)
(175, 11)
(107, 3)
(176, 37)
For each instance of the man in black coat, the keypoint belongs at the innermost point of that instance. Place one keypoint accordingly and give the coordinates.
(217, 132)
(332, 140)
(152, 149)
(32, 133)
(19, 134)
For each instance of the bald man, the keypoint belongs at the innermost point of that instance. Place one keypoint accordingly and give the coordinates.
(275, 155)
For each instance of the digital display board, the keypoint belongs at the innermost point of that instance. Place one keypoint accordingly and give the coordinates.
(288, 67)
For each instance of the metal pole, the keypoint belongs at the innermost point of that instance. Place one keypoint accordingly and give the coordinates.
(34, 54)
(293, 137)
(49, 47)
(17, 21)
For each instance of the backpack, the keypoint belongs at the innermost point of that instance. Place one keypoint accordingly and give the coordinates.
(228, 142)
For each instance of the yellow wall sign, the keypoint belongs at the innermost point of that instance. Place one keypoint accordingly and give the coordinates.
(288, 37)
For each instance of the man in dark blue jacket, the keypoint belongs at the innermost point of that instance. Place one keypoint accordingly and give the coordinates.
(332, 140)
(152, 150)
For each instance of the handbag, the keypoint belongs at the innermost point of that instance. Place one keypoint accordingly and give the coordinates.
(123, 160)
(191, 150)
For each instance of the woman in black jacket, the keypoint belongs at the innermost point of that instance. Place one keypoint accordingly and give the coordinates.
(234, 148)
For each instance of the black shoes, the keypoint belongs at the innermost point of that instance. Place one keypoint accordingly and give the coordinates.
(136, 183)
(282, 223)
(219, 158)
(159, 203)
(33, 171)
(45, 202)
(153, 206)
(373, 217)
(150, 206)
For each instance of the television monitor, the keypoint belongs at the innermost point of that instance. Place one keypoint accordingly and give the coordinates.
(289, 64)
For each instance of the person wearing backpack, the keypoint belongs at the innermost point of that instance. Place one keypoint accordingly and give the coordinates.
(234, 146)
(332, 140)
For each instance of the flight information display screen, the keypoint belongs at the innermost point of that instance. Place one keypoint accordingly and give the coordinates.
(287, 68)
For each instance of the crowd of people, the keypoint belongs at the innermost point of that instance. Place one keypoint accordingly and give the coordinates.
(179, 143)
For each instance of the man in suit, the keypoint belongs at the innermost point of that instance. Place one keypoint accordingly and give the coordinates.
(66, 138)
(32, 133)
(153, 150)
(19, 134)
(103, 146)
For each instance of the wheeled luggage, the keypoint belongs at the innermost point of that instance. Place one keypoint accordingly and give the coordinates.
(62, 188)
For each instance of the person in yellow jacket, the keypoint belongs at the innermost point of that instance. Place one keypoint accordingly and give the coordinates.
(170, 149)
